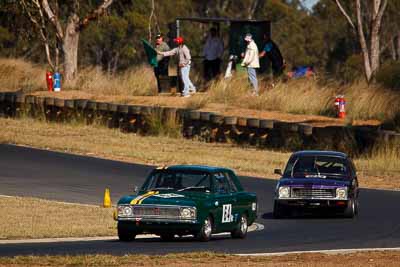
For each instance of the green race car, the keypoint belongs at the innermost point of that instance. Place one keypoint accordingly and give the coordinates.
(187, 200)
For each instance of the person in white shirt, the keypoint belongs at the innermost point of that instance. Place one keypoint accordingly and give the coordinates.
(212, 52)
(251, 61)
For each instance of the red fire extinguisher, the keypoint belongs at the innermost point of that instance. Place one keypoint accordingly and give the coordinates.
(49, 81)
(340, 103)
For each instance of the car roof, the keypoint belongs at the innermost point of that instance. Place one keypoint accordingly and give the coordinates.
(200, 168)
(320, 153)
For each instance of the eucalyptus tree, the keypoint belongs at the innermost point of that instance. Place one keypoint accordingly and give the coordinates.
(61, 22)
(365, 18)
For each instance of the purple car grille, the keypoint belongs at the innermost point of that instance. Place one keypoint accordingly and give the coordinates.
(313, 193)
(156, 211)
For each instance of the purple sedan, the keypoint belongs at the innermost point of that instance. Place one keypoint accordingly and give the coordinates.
(317, 180)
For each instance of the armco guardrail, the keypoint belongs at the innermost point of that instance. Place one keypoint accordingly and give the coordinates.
(205, 126)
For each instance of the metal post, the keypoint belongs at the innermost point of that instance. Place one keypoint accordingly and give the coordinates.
(177, 28)
(177, 73)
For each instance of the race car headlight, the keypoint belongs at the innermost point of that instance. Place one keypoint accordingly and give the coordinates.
(125, 211)
(341, 193)
(284, 192)
(188, 213)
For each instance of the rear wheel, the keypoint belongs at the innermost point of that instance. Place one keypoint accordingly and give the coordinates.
(124, 234)
(241, 229)
(206, 230)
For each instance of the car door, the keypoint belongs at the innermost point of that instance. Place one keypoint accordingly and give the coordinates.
(225, 203)
(240, 201)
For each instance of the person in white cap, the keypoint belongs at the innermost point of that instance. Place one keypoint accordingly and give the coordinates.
(251, 62)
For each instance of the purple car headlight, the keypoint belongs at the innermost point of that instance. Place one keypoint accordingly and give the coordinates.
(284, 192)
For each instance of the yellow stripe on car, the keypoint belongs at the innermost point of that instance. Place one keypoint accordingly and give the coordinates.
(139, 199)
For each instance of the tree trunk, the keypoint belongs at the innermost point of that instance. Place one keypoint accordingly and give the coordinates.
(70, 48)
(392, 48)
(375, 51)
(99, 57)
(363, 43)
(398, 46)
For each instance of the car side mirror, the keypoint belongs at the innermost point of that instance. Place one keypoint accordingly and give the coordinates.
(278, 171)
(135, 189)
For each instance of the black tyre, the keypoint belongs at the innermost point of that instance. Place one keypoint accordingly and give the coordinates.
(167, 237)
(124, 234)
(205, 232)
(241, 229)
(352, 209)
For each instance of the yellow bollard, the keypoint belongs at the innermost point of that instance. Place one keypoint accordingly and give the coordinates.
(107, 199)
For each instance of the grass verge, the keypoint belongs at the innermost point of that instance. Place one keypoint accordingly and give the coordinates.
(381, 170)
(209, 259)
(24, 217)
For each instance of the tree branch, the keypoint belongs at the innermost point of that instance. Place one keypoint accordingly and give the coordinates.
(349, 20)
(379, 16)
(95, 14)
(150, 18)
(54, 19)
(41, 27)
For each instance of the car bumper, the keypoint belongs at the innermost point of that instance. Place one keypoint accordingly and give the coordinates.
(313, 203)
(160, 227)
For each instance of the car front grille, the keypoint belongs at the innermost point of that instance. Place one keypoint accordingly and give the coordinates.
(144, 211)
(313, 193)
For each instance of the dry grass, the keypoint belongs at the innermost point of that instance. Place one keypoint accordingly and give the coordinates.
(210, 259)
(78, 138)
(16, 74)
(136, 82)
(302, 96)
(158, 150)
(307, 96)
(37, 218)
(168, 126)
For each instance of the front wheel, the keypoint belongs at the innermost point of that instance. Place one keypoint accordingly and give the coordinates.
(205, 232)
(352, 209)
(241, 229)
(124, 234)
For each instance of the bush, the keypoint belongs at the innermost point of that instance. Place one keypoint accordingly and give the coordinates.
(389, 75)
(352, 69)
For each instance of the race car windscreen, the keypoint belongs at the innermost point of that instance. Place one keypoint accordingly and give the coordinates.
(316, 166)
(179, 181)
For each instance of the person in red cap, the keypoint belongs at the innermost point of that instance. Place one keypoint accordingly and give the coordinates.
(184, 64)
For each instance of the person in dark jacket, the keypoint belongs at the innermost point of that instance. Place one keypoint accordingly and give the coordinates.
(162, 66)
(271, 50)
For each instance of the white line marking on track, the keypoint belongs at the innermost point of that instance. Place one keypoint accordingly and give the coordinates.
(328, 251)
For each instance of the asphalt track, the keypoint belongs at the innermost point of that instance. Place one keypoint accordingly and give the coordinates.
(71, 178)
